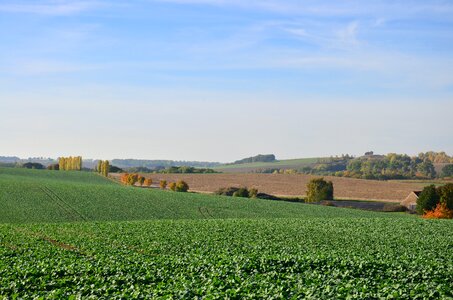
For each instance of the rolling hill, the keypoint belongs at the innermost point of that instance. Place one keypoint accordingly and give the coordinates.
(76, 235)
(250, 167)
(30, 196)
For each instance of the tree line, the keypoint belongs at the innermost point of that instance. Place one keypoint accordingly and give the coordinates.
(103, 167)
(71, 163)
(384, 167)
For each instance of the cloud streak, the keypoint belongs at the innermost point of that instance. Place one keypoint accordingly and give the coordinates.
(50, 8)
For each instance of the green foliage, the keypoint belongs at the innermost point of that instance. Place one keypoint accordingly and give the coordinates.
(241, 192)
(426, 168)
(181, 186)
(205, 245)
(115, 169)
(447, 171)
(428, 199)
(30, 165)
(31, 196)
(229, 191)
(257, 158)
(446, 195)
(318, 189)
(306, 258)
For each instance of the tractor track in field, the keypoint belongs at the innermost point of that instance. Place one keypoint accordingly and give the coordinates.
(52, 241)
(204, 211)
(72, 213)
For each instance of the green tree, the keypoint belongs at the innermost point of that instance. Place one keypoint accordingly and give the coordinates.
(447, 171)
(182, 186)
(428, 199)
(446, 195)
(427, 168)
(105, 167)
(99, 166)
(318, 189)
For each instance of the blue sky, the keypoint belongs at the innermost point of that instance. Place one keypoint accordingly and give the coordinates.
(219, 80)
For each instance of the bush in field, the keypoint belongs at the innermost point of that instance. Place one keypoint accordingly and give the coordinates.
(172, 186)
(388, 207)
(318, 189)
(226, 191)
(253, 193)
(163, 184)
(141, 180)
(241, 192)
(440, 212)
(238, 192)
(129, 179)
(182, 186)
(148, 182)
(428, 199)
(54, 167)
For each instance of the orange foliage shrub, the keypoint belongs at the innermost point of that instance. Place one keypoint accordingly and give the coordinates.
(124, 178)
(172, 186)
(148, 182)
(163, 184)
(129, 179)
(440, 212)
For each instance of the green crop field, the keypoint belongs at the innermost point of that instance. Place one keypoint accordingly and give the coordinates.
(77, 235)
(287, 163)
(30, 196)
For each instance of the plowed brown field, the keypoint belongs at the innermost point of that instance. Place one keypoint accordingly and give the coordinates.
(295, 185)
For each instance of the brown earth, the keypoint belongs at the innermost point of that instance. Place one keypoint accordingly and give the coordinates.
(295, 185)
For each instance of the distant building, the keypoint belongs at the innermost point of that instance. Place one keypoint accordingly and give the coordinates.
(411, 200)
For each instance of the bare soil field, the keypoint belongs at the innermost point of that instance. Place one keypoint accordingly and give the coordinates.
(295, 185)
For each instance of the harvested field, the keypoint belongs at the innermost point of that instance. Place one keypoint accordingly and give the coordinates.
(294, 185)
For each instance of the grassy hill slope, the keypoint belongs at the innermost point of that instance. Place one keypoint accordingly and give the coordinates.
(55, 196)
(249, 167)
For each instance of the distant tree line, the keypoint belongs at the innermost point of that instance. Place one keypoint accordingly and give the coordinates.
(71, 163)
(257, 158)
(31, 165)
(172, 170)
(186, 170)
(160, 164)
(383, 167)
(134, 179)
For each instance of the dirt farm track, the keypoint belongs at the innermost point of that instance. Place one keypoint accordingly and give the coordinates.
(294, 185)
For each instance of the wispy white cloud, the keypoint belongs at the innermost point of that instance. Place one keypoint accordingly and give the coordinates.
(44, 66)
(331, 8)
(348, 36)
(51, 8)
